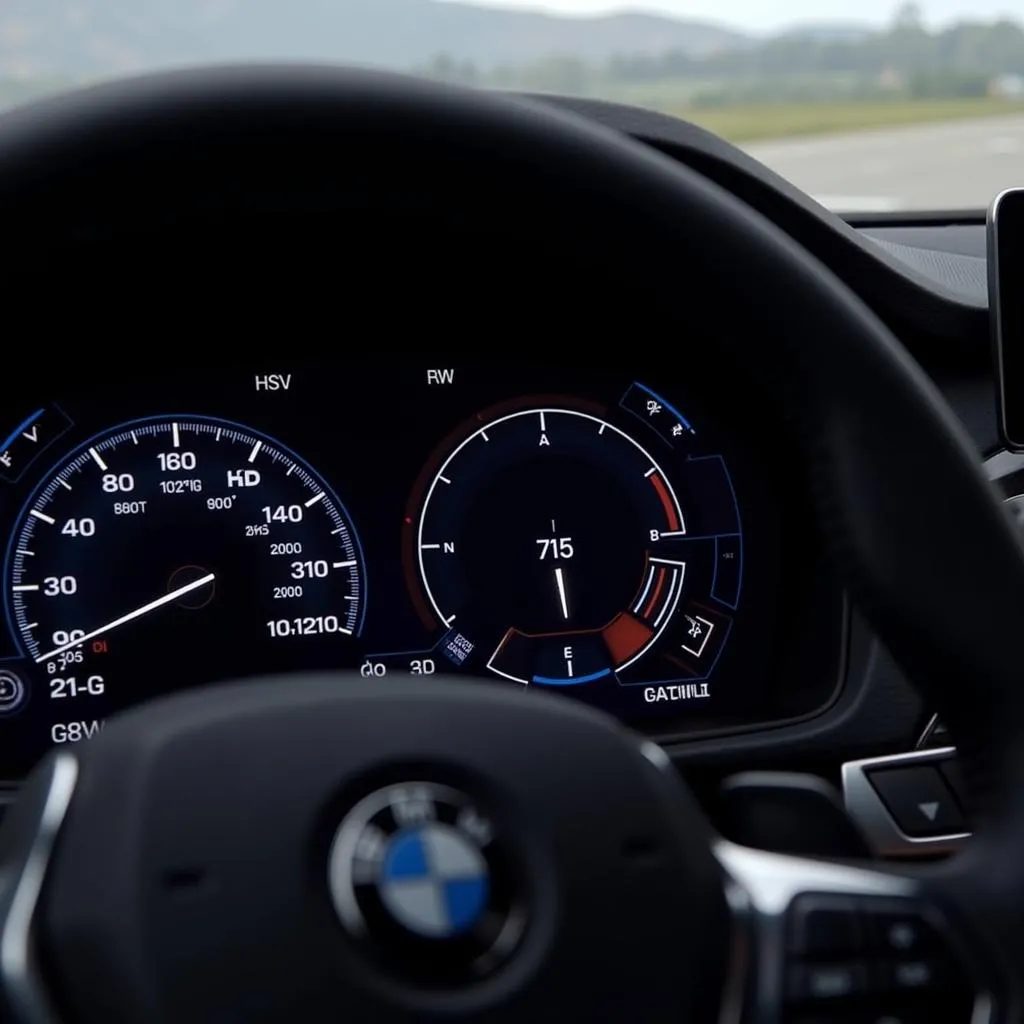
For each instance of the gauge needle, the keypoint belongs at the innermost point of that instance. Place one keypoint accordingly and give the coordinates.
(137, 614)
(560, 583)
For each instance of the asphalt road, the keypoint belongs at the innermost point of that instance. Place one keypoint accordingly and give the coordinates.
(953, 165)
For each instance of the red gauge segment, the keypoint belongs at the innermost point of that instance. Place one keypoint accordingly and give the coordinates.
(667, 503)
(625, 637)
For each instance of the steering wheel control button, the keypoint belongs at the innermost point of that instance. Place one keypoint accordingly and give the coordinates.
(872, 960)
(12, 692)
(828, 982)
(821, 927)
(420, 879)
(917, 967)
(903, 933)
(919, 800)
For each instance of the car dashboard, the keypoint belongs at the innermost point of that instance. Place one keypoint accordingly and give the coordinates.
(378, 456)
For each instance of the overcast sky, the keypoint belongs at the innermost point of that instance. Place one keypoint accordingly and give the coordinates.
(770, 14)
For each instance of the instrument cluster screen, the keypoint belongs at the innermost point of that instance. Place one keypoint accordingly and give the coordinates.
(619, 539)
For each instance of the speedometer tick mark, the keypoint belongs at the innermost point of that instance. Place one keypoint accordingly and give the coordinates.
(98, 459)
(42, 515)
(64, 484)
(25, 551)
(134, 437)
(444, 479)
(483, 434)
(316, 497)
(24, 587)
(217, 435)
(650, 472)
(175, 436)
(255, 451)
(344, 565)
(291, 469)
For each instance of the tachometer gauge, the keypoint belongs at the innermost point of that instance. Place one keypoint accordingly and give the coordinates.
(178, 550)
(561, 544)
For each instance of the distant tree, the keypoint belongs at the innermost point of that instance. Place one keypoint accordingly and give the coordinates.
(909, 16)
(441, 66)
(445, 68)
(559, 74)
(905, 59)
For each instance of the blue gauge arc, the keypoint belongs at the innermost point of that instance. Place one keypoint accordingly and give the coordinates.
(24, 425)
(572, 680)
(655, 397)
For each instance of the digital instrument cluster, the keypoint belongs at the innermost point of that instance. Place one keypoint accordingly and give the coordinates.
(574, 530)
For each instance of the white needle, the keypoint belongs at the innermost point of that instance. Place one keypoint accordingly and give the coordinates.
(138, 613)
(560, 583)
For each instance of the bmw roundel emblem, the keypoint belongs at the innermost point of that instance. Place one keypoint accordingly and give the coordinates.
(418, 872)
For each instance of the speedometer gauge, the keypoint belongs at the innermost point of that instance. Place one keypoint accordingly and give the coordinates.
(178, 550)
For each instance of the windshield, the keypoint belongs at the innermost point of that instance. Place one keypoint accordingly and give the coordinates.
(866, 105)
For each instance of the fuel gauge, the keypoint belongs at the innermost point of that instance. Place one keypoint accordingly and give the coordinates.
(554, 539)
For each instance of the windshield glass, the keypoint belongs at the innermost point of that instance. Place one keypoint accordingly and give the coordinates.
(866, 105)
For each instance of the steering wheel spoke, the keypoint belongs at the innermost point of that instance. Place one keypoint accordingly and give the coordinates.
(850, 943)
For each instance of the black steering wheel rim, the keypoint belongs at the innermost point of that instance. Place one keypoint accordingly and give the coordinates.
(893, 476)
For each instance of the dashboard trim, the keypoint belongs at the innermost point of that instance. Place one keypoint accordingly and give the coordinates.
(998, 467)
(927, 732)
(928, 302)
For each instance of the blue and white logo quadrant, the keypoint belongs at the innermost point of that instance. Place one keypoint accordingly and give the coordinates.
(434, 881)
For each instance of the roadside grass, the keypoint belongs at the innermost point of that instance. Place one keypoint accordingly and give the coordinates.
(750, 123)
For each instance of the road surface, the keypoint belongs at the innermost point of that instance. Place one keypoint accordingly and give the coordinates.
(952, 165)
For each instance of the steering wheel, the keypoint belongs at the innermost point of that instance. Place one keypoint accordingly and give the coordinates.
(331, 848)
